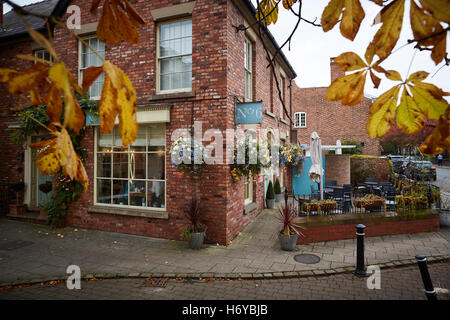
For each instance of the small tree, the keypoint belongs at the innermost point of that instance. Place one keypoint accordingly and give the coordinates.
(277, 187)
(270, 192)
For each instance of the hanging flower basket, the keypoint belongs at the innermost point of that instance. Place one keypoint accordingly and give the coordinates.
(292, 155)
(251, 163)
(188, 155)
(370, 202)
(319, 206)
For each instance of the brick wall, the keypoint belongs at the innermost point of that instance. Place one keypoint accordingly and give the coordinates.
(337, 167)
(332, 120)
(217, 80)
(374, 229)
(374, 167)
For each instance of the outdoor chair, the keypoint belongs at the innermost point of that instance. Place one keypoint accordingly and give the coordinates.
(361, 190)
(331, 183)
(315, 194)
(371, 180)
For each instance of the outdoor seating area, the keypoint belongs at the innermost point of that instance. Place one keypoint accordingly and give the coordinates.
(367, 197)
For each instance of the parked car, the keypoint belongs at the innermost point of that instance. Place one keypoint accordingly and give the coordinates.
(420, 170)
(399, 163)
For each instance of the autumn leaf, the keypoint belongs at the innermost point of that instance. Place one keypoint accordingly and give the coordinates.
(351, 18)
(118, 98)
(119, 21)
(74, 117)
(349, 61)
(47, 160)
(288, 3)
(439, 140)
(382, 113)
(424, 26)
(440, 9)
(352, 15)
(435, 106)
(376, 80)
(348, 88)
(387, 36)
(393, 75)
(410, 117)
(267, 12)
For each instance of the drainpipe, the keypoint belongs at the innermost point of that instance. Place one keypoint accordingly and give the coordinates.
(290, 110)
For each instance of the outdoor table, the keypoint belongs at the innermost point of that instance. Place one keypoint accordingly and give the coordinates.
(371, 185)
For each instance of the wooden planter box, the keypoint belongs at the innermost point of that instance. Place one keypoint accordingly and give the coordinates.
(317, 206)
(370, 203)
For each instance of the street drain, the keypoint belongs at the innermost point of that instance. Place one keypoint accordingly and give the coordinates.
(13, 245)
(307, 258)
(156, 282)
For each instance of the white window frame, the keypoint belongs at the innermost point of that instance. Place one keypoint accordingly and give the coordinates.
(125, 207)
(248, 191)
(282, 83)
(158, 59)
(38, 52)
(80, 68)
(248, 69)
(298, 120)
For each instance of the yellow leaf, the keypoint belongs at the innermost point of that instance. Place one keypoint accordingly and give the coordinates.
(331, 14)
(440, 9)
(378, 2)
(351, 18)
(387, 36)
(424, 26)
(73, 115)
(393, 75)
(81, 174)
(267, 12)
(439, 140)
(108, 108)
(47, 161)
(54, 105)
(434, 106)
(128, 125)
(119, 21)
(382, 113)
(376, 80)
(6, 74)
(418, 76)
(68, 157)
(410, 118)
(347, 88)
(288, 3)
(349, 61)
(40, 39)
(32, 77)
(89, 76)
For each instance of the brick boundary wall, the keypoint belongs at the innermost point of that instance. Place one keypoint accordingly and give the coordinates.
(374, 229)
(337, 167)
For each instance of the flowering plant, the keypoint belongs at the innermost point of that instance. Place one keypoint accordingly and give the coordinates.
(292, 154)
(188, 155)
(249, 162)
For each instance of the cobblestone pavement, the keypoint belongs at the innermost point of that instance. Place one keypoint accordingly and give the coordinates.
(255, 250)
(396, 283)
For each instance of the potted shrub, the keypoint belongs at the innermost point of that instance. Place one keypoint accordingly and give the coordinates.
(17, 209)
(277, 190)
(290, 230)
(56, 211)
(270, 196)
(195, 230)
(45, 188)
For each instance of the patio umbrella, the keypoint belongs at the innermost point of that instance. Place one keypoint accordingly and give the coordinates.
(316, 171)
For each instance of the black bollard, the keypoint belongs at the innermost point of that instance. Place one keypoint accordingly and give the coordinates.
(286, 196)
(360, 269)
(429, 290)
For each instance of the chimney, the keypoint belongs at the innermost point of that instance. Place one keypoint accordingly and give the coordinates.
(335, 71)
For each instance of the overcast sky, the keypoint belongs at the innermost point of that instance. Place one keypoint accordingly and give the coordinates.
(311, 48)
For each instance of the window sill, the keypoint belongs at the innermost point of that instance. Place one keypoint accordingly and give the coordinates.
(270, 114)
(173, 95)
(250, 207)
(132, 212)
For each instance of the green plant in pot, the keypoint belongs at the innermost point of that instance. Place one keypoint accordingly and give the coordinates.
(195, 230)
(17, 208)
(270, 196)
(290, 230)
(277, 190)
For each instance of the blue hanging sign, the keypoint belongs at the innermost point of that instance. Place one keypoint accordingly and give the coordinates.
(92, 119)
(250, 112)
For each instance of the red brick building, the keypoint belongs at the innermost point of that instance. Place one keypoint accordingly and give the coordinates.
(330, 119)
(192, 64)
